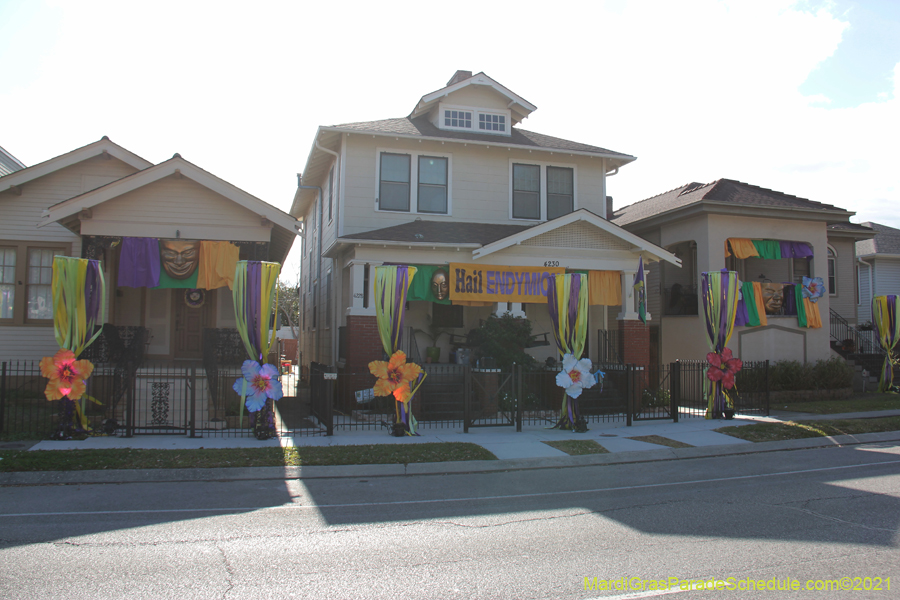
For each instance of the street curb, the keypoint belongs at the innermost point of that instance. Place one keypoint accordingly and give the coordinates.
(417, 469)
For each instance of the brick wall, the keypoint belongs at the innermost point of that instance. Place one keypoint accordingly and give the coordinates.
(363, 344)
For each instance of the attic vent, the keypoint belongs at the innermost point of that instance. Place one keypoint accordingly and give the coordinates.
(691, 187)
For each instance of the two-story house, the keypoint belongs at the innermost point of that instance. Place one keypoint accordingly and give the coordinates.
(479, 205)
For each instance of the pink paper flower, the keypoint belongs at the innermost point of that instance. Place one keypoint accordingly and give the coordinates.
(723, 367)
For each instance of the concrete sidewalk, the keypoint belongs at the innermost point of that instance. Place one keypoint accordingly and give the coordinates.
(514, 451)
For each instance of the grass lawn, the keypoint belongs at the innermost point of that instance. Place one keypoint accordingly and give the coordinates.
(789, 430)
(80, 460)
(578, 447)
(858, 403)
(661, 441)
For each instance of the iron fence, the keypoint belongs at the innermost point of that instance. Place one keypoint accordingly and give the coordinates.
(184, 399)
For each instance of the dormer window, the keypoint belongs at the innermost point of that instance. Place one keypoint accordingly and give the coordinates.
(458, 119)
(469, 118)
(489, 122)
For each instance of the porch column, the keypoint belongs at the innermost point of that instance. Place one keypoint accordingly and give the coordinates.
(358, 293)
(628, 312)
(514, 308)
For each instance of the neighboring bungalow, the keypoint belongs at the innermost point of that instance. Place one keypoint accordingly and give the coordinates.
(458, 189)
(695, 221)
(99, 199)
(879, 266)
(9, 163)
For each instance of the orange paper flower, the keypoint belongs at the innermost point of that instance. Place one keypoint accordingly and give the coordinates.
(394, 377)
(66, 375)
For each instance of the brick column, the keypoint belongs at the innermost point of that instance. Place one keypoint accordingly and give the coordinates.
(635, 340)
(363, 343)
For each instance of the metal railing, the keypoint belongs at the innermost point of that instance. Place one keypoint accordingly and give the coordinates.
(851, 339)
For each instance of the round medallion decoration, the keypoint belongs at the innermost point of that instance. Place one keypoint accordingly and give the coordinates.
(194, 298)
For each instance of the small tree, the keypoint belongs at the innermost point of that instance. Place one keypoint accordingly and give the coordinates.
(289, 304)
(504, 339)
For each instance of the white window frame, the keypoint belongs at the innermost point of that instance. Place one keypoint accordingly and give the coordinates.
(831, 256)
(20, 300)
(475, 119)
(543, 165)
(414, 156)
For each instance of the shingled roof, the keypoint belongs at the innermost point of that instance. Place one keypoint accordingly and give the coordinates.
(421, 127)
(722, 191)
(886, 241)
(440, 232)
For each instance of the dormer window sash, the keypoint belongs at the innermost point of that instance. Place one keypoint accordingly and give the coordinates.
(476, 120)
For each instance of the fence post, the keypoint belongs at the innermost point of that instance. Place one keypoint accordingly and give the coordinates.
(329, 405)
(628, 400)
(467, 389)
(2, 396)
(129, 408)
(675, 391)
(517, 369)
(767, 387)
(193, 401)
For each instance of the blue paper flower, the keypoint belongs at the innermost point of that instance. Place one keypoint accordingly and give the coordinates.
(258, 383)
(813, 288)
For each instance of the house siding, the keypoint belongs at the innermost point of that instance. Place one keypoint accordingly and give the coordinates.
(21, 215)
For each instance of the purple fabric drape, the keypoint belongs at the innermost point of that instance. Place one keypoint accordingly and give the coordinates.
(252, 306)
(795, 250)
(92, 292)
(139, 263)
(790, 299)
(742, 317)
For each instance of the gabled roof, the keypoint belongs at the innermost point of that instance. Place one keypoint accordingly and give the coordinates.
(9, 163)
(174, 165)
(885, 242)
(648, 250)
(721, 194)
(102, 146)
(519, 107)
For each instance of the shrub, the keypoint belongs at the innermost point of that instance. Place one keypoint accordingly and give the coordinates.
(791, 375)
(660, 399)
(504, 339)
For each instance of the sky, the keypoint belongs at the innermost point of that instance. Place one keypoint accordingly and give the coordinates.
(796, 96)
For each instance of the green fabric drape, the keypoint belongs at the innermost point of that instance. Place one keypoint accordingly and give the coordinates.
(768, 248)
(420, 286)
(750, 300)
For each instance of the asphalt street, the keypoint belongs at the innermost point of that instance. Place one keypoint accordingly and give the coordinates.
(817, 514)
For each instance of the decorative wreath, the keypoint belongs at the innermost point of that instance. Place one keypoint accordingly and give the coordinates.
(194, 298)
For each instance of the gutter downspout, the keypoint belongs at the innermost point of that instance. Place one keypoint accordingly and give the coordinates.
(306, 240)
(334, 297)
(871, 289)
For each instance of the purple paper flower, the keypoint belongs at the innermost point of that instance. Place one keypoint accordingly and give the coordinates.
(258, 383)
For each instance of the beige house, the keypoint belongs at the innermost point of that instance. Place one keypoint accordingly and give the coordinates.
(694, 222)
(87, 203)
(456, 183)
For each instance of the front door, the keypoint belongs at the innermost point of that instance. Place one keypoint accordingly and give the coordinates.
(192, 316)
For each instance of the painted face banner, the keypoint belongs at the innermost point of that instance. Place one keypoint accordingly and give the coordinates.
(494, 283)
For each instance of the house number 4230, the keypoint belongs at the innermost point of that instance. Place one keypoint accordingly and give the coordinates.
(551, 263)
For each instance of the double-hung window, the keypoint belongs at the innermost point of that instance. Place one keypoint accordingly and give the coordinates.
(393, 189)
(7, 282)
(526, 192)
(432, 192)
(832, 272)
(32, 266)
(560, 191)
(542, 192)
(418, 183)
